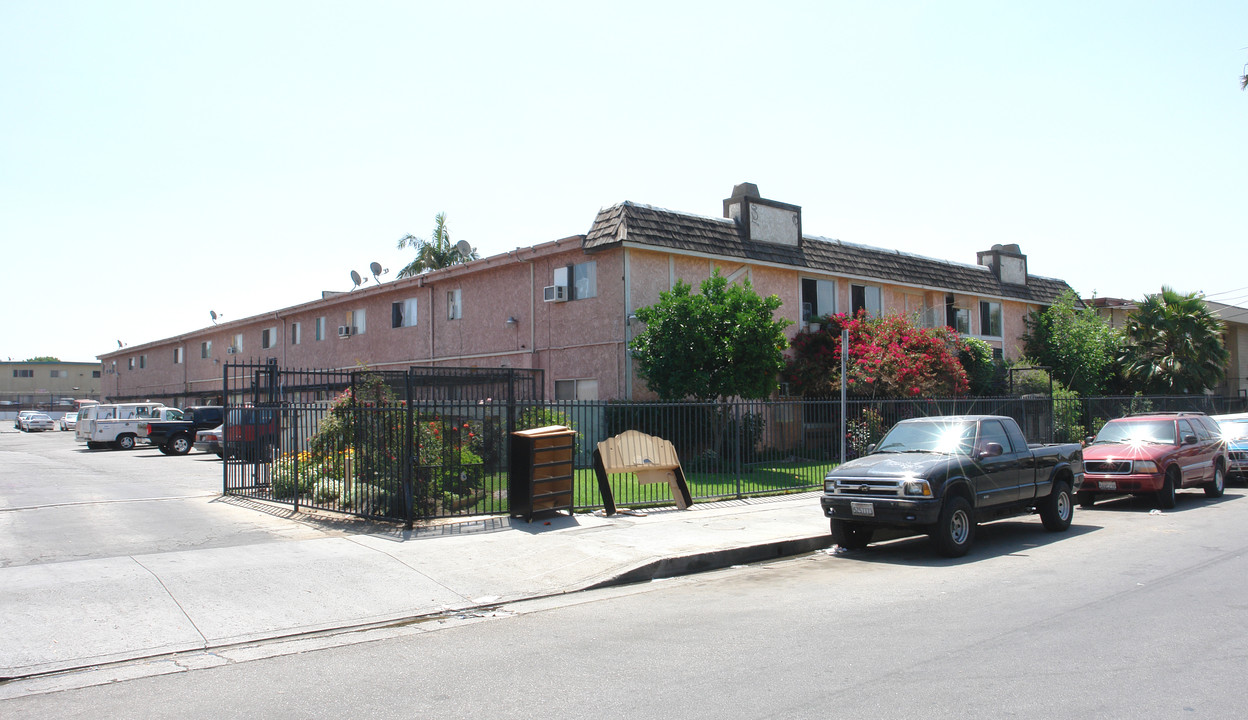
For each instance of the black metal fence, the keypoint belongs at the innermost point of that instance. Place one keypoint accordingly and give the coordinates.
(398, 445)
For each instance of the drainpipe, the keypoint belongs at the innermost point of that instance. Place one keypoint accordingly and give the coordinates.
(628, 328)
(532, 302)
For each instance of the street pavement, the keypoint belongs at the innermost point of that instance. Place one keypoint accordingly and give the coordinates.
(74, 614)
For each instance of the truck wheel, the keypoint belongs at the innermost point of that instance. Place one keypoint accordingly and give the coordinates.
(1056, 509)
(179, 445)
(1086, 498)
(1165, 496)
(1217, 484)
(124, 442)
(955, 530)
(851, 536)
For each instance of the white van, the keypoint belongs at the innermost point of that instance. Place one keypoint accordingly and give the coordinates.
(117, 426)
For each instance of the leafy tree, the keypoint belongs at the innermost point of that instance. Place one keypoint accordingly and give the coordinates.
(435, 253)
(1175, 345)
(888, 357)
(985, 375)
(719, 343)
(1079, 345)
(43, 359)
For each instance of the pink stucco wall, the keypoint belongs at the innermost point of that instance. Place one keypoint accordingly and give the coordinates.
(575, 340)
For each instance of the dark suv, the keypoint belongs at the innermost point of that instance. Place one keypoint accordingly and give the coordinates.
(1157, 454)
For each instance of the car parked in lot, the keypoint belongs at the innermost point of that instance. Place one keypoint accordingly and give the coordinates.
(19, 422)
(1155, 454)
(1235, 433)
(69, 421)
(38, 422)
(209, 441)
(176, 435)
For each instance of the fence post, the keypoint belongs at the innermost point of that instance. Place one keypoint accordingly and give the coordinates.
(737, 432)
(409, 449)
(294, 433)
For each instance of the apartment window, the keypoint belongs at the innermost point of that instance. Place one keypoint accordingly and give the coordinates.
(355, 320)
(585, 280)
(58, 373)
(294, 333)
(586, 389)
(177, 356)
(990, 323)
(24, 373)
(96, 373)
(454, 310)
(961, 321)
(130, 364)
(268, 337)
(403, 314)
(320, 329)
(142, 362)
(818, 298)
(865, 297)
(205, 349)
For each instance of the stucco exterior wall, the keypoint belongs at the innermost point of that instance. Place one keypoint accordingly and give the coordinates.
(584, 338)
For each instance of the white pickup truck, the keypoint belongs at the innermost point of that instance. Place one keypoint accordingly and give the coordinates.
(117, 426)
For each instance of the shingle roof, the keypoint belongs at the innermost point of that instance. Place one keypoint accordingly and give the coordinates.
(647, 225)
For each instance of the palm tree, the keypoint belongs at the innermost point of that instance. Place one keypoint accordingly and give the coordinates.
(1174, 345)
(435, 253)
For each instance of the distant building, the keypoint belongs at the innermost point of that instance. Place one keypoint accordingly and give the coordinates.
(49, 384)
(567, 306)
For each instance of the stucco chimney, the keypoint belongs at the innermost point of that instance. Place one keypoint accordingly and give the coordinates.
(1007, 262)
(763, 220)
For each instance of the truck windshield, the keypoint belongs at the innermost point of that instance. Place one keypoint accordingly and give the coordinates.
(948, 438)
(1137, 431)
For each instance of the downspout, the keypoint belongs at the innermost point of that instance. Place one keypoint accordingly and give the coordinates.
(532, 302)
(628, 328)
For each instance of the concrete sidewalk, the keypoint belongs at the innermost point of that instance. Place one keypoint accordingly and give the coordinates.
(63, 616)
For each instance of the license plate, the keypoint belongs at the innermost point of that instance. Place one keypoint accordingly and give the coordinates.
(1107, 485)
(862, 509)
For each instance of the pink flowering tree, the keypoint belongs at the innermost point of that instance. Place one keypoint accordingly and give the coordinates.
(888, 357)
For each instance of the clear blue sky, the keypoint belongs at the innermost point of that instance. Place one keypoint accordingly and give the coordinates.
(159, 160)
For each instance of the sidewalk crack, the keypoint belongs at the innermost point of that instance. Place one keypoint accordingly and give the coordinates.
(168, 592)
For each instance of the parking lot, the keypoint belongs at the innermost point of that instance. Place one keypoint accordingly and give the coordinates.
(60, 501)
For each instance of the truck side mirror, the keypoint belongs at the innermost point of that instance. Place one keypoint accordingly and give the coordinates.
(1189, 439)
(1089, 440)
(992, 449)
(871, 448)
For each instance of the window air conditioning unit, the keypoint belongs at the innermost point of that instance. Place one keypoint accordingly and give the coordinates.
(346, 330)
(555, 293)
(231, 350)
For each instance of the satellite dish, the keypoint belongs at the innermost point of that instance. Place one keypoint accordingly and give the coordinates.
(213, 314)
(355, 278)
(463, 248)
(376, 268)
(118, 343)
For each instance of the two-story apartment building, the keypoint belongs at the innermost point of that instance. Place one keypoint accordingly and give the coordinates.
(48, 384)
(567, 306)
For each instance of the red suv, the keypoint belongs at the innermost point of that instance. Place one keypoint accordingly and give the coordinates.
(1157, 453)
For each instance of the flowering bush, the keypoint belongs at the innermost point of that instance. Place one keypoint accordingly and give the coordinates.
(888, 357)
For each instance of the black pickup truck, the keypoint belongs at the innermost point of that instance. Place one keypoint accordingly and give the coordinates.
(177, 437)
(944, 475)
